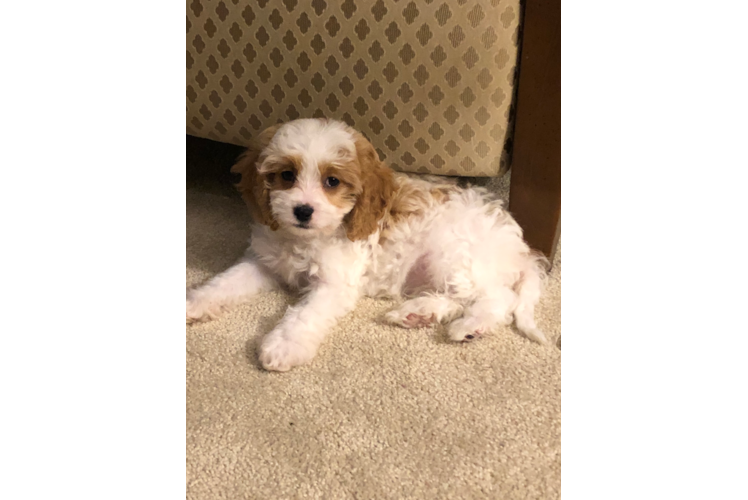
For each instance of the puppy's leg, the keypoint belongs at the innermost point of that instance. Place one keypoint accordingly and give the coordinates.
(524, 316)
(529, 289)
(234, 286)
(483, 315)
(424, 311)
(297, 337)
(491, 311)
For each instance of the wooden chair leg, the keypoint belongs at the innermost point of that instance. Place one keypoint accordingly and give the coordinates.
(537, 209)
(535, 189)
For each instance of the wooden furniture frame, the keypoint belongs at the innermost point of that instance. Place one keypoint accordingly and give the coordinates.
(535, 188)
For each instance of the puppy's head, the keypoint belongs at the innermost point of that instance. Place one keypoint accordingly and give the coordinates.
(310, 177)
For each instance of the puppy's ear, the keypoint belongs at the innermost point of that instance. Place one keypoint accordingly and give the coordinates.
(252, 186)
(377, 185)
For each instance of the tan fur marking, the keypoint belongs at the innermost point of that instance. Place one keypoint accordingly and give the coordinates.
(344, 193)
(253, 186)
(377, 186)
(413, 197)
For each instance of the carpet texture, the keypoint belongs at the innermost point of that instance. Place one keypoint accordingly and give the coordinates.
(381, 412)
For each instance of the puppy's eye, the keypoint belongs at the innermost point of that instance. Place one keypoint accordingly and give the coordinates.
(287, 175)
(331, 182)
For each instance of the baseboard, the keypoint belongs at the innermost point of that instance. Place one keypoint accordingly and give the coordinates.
(568, 490)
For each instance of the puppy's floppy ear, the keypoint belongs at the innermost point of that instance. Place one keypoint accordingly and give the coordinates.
(252, 185)
(377, 185)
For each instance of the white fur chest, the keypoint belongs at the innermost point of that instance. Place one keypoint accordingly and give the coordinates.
(301, 263)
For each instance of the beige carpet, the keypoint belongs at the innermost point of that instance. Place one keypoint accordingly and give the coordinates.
(381, 412)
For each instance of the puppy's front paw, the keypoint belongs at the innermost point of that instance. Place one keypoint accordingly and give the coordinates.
(279, 353)
(194, 311)
(200, 309)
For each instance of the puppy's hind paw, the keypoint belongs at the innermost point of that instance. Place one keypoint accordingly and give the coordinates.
(423, 311)
(466, 330)
(409, 320)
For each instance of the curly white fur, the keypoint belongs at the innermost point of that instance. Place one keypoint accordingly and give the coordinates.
(454, 254)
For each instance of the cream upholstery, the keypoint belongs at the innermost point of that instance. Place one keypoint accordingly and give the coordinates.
(430, 83)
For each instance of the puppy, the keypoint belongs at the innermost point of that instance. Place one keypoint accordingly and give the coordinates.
(335, 223)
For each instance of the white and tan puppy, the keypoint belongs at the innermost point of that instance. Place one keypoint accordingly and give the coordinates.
(335, 223)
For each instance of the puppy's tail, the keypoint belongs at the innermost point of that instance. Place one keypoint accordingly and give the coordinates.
(528, 289)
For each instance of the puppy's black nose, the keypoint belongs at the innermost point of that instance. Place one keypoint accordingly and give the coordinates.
(303, 212)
